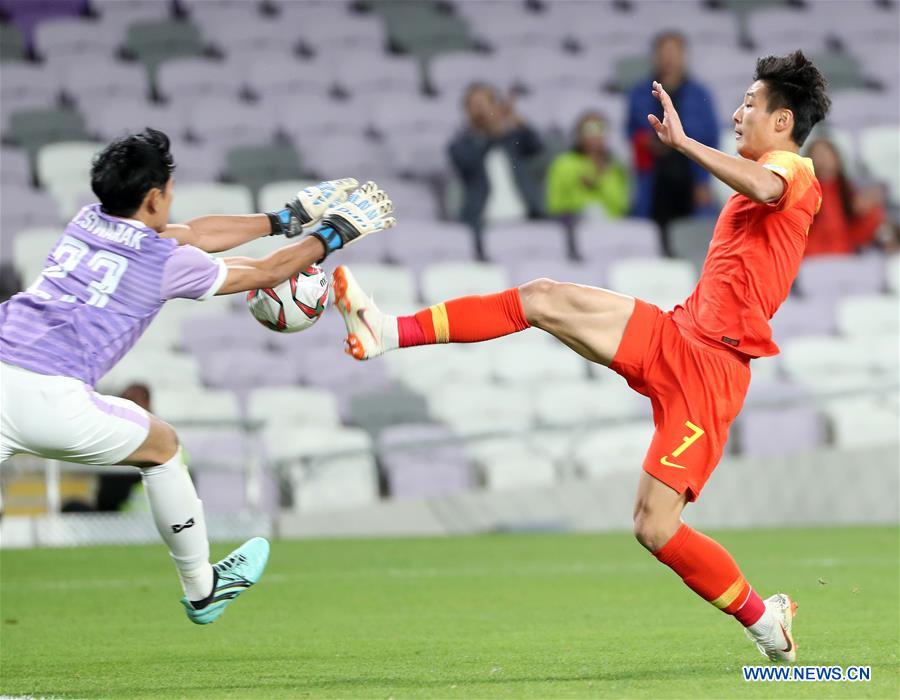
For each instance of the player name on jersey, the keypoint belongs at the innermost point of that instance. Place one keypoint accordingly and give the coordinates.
(115, 231)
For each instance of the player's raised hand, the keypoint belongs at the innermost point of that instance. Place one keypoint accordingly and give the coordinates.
(308, 207)
(366, 211)
(669, 130)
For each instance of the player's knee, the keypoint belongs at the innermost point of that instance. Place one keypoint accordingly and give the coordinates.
(651, 530)
(160, 446)
(538, 300)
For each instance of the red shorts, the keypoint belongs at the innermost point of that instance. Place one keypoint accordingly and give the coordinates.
(696, 391)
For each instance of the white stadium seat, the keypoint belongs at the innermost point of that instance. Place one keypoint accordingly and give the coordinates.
(423, 368)
(30, 250)
(869, 315)
(293, 408)
(510, 463)
(892, 269)
(158, 369)
(444, 281)
(274, 195)
(196, 406)
(619, 448)
(864, 421)
(879, 148)
(472, 407)
(562, 403)
(391, 286)
(201, 199)
(663, 282)
(64, 169)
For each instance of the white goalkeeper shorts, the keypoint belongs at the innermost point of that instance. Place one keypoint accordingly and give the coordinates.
(63, 418)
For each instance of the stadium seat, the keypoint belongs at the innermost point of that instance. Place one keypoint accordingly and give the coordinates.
(418, 206)
(842, 70)
(825, 364)
(772, 29)
(31, 248)
(214, 328)
(399, 116)
(365, 74)
(74, 39)
(507, 464)
(860, 109)
(423, 461)
(892, 272)
(879, 148)
(116, 15)
(162, 370)
(583, 402)
(392, 286)
(689, 239)
(526, 358)
(419, 154)
(196, 407)
(422, 30)
(25, 87)
(273, 195)
(336, 156)
(609, 27)
(799, 316)
(451, 73)
(558, 270)
(241, 370)
(218, 449)
(444, 281)
(255, 166)
(198, 162)
(604, 242)
(516, 241)
(131, 117)
(64, 169)
(33, 128)
(96, 83)
(229, 122)
(862, 422)
(195, 78)
(329, 468)
(291, 407)
(335, 28)
(201, 199)
(12, 44)
(868, 315)
(767, 432)
(375, 410)
(662, 282)
(14, 167)
(474, 408)
(838, 275)
(271, 79)
(602, 451)
(152, 42)
(768, 392)
(423, 368)
(325, 366)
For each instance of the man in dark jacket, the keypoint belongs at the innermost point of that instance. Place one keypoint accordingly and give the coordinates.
(492, 122)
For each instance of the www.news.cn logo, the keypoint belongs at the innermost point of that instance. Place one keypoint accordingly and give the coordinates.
(815, 674)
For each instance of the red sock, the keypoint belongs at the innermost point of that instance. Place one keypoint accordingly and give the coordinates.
(464, 320)
(710, 571)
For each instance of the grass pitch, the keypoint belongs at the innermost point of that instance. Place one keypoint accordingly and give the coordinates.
(496, 616)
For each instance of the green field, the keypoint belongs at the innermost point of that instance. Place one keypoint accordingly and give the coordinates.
(494, 616)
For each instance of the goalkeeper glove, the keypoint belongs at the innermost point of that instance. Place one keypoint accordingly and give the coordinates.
(365, 211)
(306, 209)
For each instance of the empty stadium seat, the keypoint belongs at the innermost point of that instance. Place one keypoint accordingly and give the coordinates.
(525, 240)
(375, 410)
(195, 78)
(162, 370)
(64, 169)
(892, 272)
(766, 432)
(824, 364)
(256, 166)
(838, 275)
(803, 316)
(292, 407)
(364, 73)
(74, 39)
(94, 83)
(583, 402)
(392, 286)
(274, 195)
(507, 464)
(153, 41)
(230, 123)
(558, 270)
(14, 168)
(444, 281)
(879, 148)
(689, 239)
(12, 44)
(604, 242)
(864, 421)
(201, 199)
(868, 315)
(525, 358)
(33, 128)
(472, 408)
(423, 461)
(602, 451)
(31, 248)
(26, 87)
(662, 282)
(425, 367)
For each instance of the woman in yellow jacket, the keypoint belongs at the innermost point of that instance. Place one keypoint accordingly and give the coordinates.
(588, 175)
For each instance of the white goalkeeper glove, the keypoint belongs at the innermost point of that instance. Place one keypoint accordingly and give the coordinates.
(306, 209)
(365, 211)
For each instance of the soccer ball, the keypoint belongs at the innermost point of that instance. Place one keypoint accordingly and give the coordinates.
(294, 305)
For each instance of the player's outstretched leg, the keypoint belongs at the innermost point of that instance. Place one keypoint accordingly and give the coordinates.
(178, 515)
(709, 570)
(589, 320)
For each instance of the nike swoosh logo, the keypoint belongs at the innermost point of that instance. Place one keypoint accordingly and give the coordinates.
(790, 644)
(665, 460)
(361, 315)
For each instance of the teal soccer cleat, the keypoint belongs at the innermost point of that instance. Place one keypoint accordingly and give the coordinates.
(232, 576)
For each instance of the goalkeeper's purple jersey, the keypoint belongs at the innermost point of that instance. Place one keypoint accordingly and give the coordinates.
(103, 283)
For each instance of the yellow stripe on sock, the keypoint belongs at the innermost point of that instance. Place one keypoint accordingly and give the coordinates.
(441, 323)
(727, 598)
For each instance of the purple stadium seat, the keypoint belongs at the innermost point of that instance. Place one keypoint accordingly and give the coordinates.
(857, 109)
(199, 162)
(831, 276)
(803, 316)
(605, 242)
(776, 431)
(314, 119)
(551, 68)
(334, 28)
(25, 207)
(207, 333)
(402, 115)
(363, 73)
(14, 167)
(228, 122)
(93, 81)
(431, 469)
(74, 39)
(330, 368)
(412, 199)
(517, 28)
(773, 29)
(124, 117)
(773, 392)
(418, 244)
(560, 270)
(244, 370)
(196, 78)
(330, 158)
(418, 154)
(28, 14)
(26, 86)
(277, 79)
(452, 73)
(525, 240)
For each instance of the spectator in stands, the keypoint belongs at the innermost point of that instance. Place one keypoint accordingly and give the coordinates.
(848, 218)
(588, 175)
(114, 490)
(669, 185)
(492, 122)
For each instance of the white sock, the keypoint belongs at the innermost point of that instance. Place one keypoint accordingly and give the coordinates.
(390, 333)
(765, 629)
(178, 514)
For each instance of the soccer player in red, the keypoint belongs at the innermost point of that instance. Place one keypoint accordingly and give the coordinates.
(693, 362)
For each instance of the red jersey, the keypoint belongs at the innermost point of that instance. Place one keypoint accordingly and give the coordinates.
(753, 258)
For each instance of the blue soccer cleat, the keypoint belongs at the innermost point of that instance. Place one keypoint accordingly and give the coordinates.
(233, 575)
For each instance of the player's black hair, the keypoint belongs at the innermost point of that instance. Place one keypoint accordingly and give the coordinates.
(794, 83)
(127, 169)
